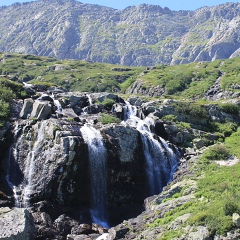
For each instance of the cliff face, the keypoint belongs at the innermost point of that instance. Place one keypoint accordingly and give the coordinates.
(50, 161)
(138, 35)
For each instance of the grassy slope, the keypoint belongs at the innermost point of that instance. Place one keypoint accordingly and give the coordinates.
(217, 195)
(70, 74)
(185, 81)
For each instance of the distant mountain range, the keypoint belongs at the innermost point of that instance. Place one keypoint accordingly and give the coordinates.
(142, 35)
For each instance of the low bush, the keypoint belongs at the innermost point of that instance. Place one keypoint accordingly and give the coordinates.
(169, 118)
(216, 152)
(108, 103)
(9, 90)
(192, 109)
(107, 119)
(230, 108)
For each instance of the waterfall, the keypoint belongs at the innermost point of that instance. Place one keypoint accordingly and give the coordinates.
(30, 164)
(130, 111)
(89, 100)
(22, 190)
(57, 104)
(11, 172)
(89, 107)
(98, 173)
(161, 161)
(12, 152)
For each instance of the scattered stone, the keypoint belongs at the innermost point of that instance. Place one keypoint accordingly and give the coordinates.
(228, 162)
(78, 237)
(236, 219)
(82, 229)
(179, 221)
(202, 233)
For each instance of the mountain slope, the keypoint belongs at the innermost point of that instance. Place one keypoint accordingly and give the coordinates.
(138, 35)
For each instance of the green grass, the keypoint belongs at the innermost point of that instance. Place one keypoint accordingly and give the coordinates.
(185, 80)
(108, 103)
(230, 108)
(192, 109)
(73, 75)
(218, 192)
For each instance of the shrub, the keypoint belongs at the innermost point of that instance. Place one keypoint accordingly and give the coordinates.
(226, 129)
(70, 119)
(230, 108)
(183, 125)
(216, 152)
(107, 119)
(169, 118)
(192, 109)
(231, 207)
(4, 112)
(108, 103)
(8, 91)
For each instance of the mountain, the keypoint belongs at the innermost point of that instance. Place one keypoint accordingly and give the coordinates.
(138, 35)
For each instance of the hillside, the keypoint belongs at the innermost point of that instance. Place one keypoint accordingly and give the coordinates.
(144, 35)
(205, 80)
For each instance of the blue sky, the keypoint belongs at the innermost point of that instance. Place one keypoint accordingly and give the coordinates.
(172, 4)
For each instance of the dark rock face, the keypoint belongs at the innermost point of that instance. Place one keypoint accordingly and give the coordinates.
(139, 35)
(60, 171)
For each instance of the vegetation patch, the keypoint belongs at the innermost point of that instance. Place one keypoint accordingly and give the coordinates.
(9, 90)
(192, 109)
(230, 108)
(108, 118)
(108, 103)
(218, 192)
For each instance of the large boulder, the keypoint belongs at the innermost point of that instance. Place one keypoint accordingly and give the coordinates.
(27, 108)
(41, 110)
(68, 112)
(236, 219)
(128, 140)
(16, 224)
(118, 110)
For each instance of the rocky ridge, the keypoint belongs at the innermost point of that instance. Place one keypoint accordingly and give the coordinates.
(138, 35)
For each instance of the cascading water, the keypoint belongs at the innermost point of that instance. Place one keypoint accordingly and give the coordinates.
(89, 100)
(23, 190)
(30, 167)
(88, 109)
(97, 162)
(161, 161)
(57, 104)
(11, 175)
(12, 152)
(131, 111)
